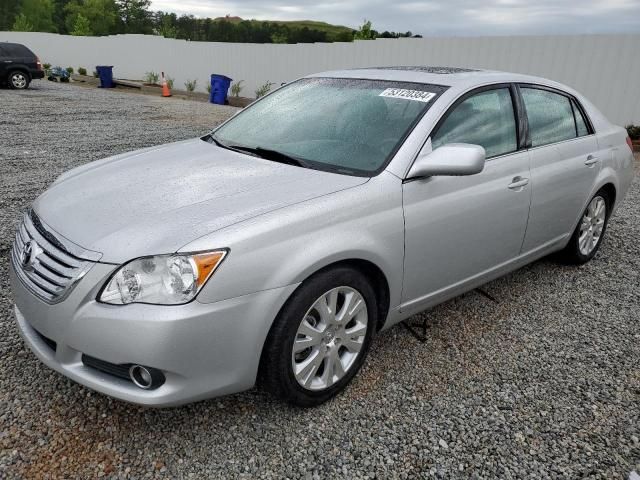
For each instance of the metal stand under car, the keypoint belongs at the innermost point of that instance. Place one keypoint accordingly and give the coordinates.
(419, 330)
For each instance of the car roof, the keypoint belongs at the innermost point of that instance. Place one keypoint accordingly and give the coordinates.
(458, 78)
(16, 47)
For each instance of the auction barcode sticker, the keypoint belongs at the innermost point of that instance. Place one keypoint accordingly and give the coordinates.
(416, 95)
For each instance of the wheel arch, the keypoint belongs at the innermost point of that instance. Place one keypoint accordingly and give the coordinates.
(375, 275)
(370, 269)
(19, 69)
(610, 190)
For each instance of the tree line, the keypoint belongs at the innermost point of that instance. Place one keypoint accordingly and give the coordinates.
(108, 17)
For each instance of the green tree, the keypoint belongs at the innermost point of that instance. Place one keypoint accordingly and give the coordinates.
(81, 27)
(365, 32)
(100, 15)
(60, 15)
(9, 10)
(21, 24)
(166, 25)
(279, 37)
(135, 16)
(39, 14)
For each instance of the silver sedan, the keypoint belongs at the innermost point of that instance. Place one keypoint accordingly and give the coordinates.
(275, 248)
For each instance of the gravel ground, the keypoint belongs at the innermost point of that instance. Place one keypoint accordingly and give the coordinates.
(543, 384)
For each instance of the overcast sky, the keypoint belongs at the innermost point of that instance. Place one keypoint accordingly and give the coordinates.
(452, 17)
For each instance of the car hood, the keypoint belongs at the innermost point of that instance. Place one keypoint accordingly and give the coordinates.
(157, 200)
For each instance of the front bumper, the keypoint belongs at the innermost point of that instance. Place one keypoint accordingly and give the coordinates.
(204, 350)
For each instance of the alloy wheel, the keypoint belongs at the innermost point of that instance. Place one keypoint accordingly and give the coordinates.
(592, 225)
(19, 80)
(329, 338)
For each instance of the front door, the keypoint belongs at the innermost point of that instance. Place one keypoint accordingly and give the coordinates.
(457, 228)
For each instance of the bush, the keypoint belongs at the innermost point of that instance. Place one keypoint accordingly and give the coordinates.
(236, 88)
(633, 131)
(82, 71)
(190, 85)
(170, 82)
(208, 87)
(46, 66)
(264, 89)
(70, 70)
(151, 78)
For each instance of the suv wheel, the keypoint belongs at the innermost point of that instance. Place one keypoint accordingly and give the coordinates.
(18, 80)
(321, 337)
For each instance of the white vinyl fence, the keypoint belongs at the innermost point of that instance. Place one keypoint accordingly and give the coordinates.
(606, 68)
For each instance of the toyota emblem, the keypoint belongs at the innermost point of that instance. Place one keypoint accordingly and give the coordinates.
(29, 255)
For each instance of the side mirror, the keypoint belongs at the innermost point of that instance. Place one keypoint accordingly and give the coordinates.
(450, 159)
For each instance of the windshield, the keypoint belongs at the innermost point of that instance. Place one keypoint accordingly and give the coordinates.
(350, 126)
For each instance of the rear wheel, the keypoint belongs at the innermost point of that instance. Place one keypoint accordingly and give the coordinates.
(589, 232)
(18, 80)
(320, 338)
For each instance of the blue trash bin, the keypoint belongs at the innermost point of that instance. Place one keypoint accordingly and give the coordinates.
(105, 73)
(219, 88)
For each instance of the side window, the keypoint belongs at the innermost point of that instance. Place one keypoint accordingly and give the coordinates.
(550, 116)
(485, 119)
(16, 50)
(581, 124)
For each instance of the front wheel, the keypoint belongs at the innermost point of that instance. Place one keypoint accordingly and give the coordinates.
(589, 232)
(320, 338)
(18, 80)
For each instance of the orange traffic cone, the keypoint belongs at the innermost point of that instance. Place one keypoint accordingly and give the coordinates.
(165, 87)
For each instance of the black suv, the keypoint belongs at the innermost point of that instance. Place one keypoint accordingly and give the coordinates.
(18, 65)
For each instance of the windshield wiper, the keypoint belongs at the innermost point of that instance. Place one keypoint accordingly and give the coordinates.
(212, 138)
(269, 154)
(266, 153)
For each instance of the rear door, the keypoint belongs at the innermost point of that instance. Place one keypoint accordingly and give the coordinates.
(565, 162)
(459, 228)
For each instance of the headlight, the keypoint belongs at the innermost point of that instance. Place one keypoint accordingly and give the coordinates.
(162, 279)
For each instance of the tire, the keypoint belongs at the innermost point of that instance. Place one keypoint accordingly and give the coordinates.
(18, 80)
(593, 224)
(327, 360)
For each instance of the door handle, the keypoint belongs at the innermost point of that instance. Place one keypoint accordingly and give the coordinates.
(518, 182)
(591, 160)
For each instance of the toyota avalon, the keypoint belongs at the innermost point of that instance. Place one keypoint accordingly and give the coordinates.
(272, 250)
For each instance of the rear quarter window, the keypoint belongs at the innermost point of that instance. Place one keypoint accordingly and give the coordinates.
(581, 124)
(17, 50)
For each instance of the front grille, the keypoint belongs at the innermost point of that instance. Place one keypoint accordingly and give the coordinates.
(117, 370)
(43, 263)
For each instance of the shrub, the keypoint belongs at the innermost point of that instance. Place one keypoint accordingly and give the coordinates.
(263, 89)
(70, 70)
(208, 87)
(95, 73)
(170, 82)
(82, 71)
(633, 131)
(190, 85)
(236, 88)
(151, 78)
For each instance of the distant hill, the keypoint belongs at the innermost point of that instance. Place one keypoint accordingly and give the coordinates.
(334, 32)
